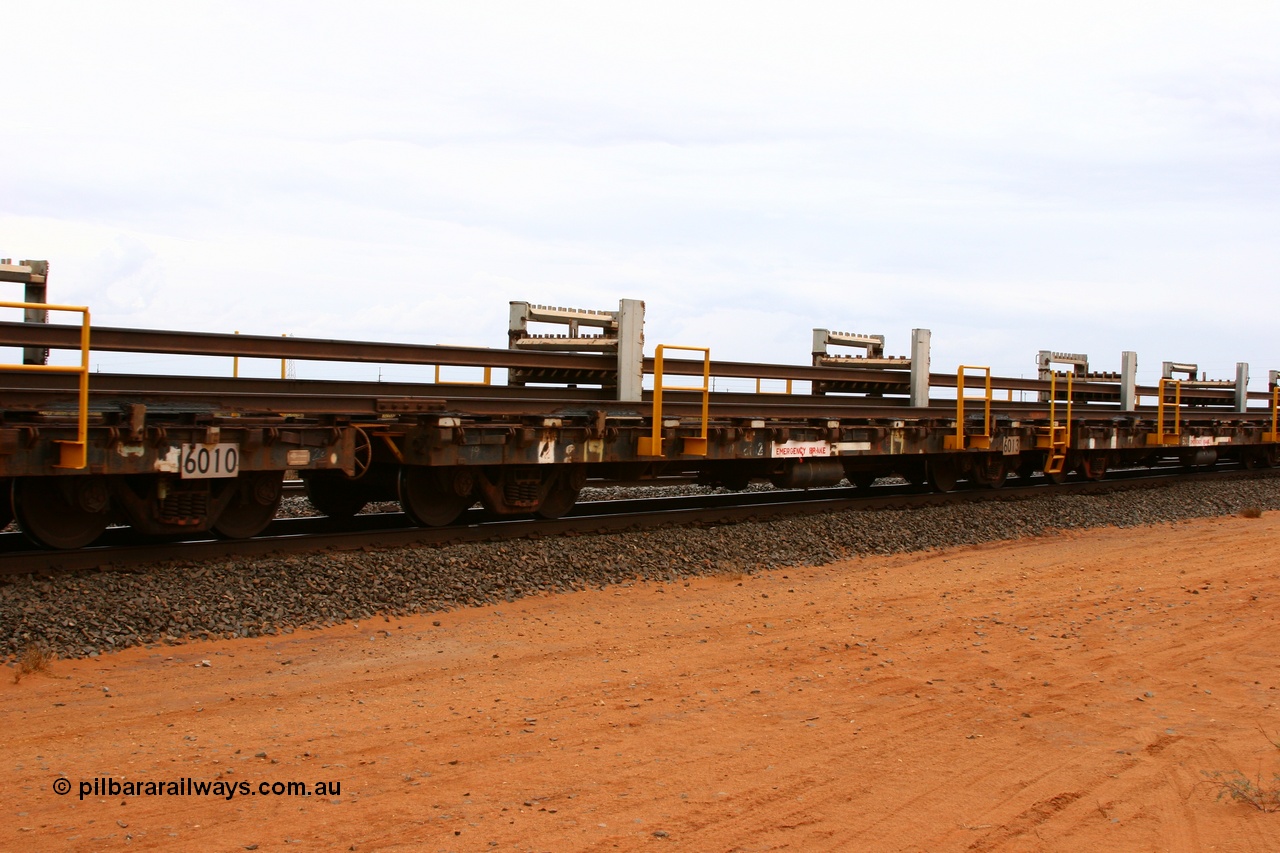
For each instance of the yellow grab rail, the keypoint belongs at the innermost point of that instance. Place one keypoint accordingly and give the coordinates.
(758, 391)
(651, 445)
(1059, 437)
(71, 454)
(488, 378)
(1053, 393)
(235, 362)
(1275, 414)
(1162, 437)
(960, 441)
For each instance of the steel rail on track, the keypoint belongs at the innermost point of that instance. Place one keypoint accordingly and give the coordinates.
(385, 531)
(108, 339)
(355, 398)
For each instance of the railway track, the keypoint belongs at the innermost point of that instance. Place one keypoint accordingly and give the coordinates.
(121, 550)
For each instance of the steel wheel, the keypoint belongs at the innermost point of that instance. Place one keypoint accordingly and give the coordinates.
(863, 480)
(61, 512)
(943, 474)
(6, 503)
(252, 507)
(431, 497)
(333, 494)
(558, 501)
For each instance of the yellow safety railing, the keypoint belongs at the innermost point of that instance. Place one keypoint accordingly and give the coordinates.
(1160, 436)
(960, 441)
(71, 454)
(758, 391)
(1275, 414)
(488, 378)
(652, 445)
(1058, 437)
(235, 363)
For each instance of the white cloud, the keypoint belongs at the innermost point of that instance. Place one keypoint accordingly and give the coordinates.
(1015, 176)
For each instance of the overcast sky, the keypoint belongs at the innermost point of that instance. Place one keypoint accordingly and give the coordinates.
(1090, 177)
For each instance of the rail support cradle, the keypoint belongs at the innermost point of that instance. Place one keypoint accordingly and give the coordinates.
(521, 430)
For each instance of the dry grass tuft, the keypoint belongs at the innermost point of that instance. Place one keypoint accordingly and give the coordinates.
(1251, 512)
(33, 659)
(1251, 792)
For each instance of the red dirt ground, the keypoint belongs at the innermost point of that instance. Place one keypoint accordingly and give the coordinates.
(1061, 693)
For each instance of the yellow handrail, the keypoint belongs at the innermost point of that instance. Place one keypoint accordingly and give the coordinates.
(488, 378)
(652, 445)
(758, 391)
(1275, 413)
(960, 441)
(235, 362)
(1058, 439)
(1161, 436)
(1053, 393)
(72, 454)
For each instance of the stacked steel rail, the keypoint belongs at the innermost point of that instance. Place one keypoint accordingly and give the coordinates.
(169, 454)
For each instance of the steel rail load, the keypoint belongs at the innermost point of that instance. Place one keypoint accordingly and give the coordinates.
(177, 454)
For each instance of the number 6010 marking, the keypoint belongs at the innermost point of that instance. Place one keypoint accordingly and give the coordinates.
(199, 461)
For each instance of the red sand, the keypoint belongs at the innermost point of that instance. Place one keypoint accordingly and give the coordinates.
(1061, 693)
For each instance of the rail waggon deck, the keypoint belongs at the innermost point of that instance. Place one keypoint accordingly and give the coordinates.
(551, 411)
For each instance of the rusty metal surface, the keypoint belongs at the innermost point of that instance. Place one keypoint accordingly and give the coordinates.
(359, 397)
(106, 339)
(294, 536)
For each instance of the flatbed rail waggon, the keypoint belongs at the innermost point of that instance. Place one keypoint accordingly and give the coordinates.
(167, 455)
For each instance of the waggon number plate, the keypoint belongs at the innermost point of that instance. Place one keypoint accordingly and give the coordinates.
(199, 461)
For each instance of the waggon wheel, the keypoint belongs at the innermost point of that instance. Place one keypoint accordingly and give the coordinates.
(943, 474)
(62, 512)
(862, 480)
(252, 507)
(1254, 459)
(434, 497)
(6, 503)
(562, 492)
(558, 501)
(333, 494)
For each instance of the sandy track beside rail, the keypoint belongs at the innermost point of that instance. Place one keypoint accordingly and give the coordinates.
(1058, 693)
